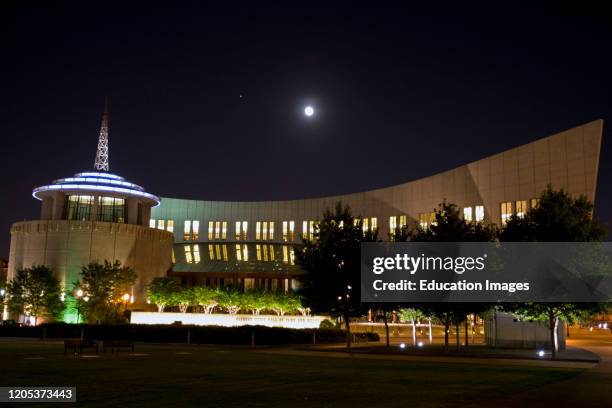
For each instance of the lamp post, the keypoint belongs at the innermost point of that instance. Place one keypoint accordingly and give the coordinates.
(126, 299)
(79, 294)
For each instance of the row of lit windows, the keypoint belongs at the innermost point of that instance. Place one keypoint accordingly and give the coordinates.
(217, 230)
(394, 225)
(264, 230)
(520, 208)
(219, 252)
(191, 230)
(166, 225)
(367, 224)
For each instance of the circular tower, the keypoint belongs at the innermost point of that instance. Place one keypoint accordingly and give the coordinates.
(93, 216)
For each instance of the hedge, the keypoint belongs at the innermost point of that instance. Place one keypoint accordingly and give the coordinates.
(180, 333)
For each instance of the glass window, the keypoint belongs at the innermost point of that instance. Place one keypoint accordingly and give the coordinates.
(186, 230)
(423, 220)
(78, 207)
(224, 230)
(506, 212)
(161, 224)
(188, 255)
(196, 253)
(211, 230)
(374, 223)
(521, 208)
(480, 213)
(402, 221)
(195, 232)
(112, 209)
(392, 225)
(170, 226)
(152, 223)
(467, 214)
(257, 230)
(217, 229)
(535, 202)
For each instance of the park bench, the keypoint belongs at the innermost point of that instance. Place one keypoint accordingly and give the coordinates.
(117, 345)
(78, 345)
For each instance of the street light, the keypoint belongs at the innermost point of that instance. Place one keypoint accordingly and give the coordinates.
(79, 293)
(126, 298)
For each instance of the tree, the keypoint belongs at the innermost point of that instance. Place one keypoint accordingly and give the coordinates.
(184, 298)
(231, 300)
(331, 259)
(207, 298)
(36, 292)
(285, 303)
(104, 285)
(411, 315)
(161, 290)
(558, 217)
(449, 226)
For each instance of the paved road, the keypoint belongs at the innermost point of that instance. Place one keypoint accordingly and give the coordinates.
(593, 388)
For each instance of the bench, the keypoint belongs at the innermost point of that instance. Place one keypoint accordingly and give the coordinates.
(117, 345)
(77, 346)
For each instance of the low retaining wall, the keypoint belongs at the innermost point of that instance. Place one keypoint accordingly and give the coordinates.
(228, 320)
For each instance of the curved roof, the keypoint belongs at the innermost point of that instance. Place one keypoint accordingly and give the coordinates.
(96, 182)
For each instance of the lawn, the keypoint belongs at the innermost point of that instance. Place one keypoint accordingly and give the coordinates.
(166, 375)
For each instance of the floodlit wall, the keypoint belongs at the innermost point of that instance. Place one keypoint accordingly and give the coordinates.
(504, 330)
(568, 160)
(66, 246)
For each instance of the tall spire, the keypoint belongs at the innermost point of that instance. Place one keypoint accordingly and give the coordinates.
(101, 163)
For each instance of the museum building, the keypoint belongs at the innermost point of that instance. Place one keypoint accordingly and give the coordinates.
(97, 216)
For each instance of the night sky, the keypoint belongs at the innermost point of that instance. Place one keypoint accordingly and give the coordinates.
(398, 94)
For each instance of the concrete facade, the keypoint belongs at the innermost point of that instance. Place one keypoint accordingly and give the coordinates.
(66, 246)
(567, 160)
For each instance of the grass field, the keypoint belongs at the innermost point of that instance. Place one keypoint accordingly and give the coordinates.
(167, 375)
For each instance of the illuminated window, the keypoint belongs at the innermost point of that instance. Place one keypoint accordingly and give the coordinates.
(308, 229)
(170, 226)
(196, 253)
(238, 252)
(258, 251)
(173, 257)
(217, 229)
(265, 253)
(521, 208)
(218, 251)
(480, 213)
(211, 230)
(211, 252)
(535, 202)
(271, 250)
(356, 221)
(195, 232)
(432, 218)
(264, 230)
(152, 223)
(161, 224)
(402, 221)
(78, 208)
(506, 212)
(288, 255)
(245, 253)
(186, 230)
(423, 218)
(392, 225)
(467, 214)
(365, 225)
(188, 256)
(225, 258)
(288, 231)
(111, 209)
(224, 230)
(374, 223)
(241, 230)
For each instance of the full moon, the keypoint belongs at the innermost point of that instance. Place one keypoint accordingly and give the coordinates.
(309, 111)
